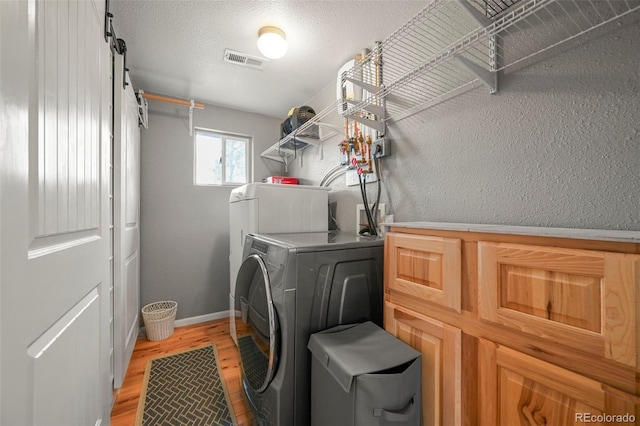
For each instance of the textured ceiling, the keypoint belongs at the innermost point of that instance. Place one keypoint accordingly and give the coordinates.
(176, 48)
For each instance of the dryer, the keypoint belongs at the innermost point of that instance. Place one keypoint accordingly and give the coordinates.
(271, 208)
(288, 287)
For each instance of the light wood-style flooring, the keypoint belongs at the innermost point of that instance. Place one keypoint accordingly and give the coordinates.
(193, 336)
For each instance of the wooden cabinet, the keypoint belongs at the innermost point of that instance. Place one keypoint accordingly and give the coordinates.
(440, 346)
(517, 329)
(518, 389)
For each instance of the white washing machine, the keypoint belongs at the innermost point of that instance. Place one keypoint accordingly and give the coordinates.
(260, 208)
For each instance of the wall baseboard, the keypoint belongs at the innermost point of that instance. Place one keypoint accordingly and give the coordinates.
(192, 320)
(201, 318)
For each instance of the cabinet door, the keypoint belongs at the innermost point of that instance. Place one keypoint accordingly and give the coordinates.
(518, 389)
(440, 346)
(425, 267)
(584, 299)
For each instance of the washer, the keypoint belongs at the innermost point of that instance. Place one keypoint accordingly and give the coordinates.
(288, 287)
(265, 208)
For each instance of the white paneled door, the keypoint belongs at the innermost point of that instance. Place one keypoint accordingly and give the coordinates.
(54, 213)
(126, 214)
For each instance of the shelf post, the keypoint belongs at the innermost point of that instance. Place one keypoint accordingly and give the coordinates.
(489, 78)
(367, 105)
(374, 124)
(493, 65)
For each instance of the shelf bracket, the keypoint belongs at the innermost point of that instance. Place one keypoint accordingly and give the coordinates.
(366, 86)
(374, 124)
(398, 100)
(285, 156)
(489, 78)
(493, 58)
(477, 16)
(376, 110)
(191, 117)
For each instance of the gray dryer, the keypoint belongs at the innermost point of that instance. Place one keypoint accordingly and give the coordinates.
(290, 286)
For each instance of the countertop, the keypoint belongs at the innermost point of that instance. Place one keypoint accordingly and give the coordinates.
(584, 234)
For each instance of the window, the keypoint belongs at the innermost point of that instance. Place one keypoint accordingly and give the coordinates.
(220, 158)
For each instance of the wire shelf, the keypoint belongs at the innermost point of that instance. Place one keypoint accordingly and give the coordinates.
(554, 23)
(451, 45)
(417, 66)
(286, 149)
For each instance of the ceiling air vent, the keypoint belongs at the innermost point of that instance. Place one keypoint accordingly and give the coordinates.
(243, 59)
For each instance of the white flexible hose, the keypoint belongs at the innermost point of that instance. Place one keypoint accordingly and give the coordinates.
(330, 173)
(334, 176)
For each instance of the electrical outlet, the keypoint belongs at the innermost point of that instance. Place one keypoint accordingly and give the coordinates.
(380, 148)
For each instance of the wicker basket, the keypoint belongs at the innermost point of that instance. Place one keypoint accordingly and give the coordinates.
(158, 319)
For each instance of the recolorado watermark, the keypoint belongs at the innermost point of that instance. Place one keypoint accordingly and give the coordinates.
(605, 418)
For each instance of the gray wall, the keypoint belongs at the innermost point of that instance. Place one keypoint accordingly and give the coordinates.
(185, 228)
(558, 145)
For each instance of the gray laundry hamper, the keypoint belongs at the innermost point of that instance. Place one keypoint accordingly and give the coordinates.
(363, 376)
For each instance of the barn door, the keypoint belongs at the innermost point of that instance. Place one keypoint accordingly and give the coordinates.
(54, 182)
(126, 196)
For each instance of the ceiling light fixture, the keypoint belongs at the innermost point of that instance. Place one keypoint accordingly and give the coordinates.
(272, 42)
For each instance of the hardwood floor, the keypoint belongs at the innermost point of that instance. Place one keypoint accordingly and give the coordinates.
(216, 332)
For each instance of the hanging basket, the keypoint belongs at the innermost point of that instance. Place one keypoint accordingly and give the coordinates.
(159, 318)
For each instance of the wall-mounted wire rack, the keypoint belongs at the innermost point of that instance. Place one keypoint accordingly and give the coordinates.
(288, 148)
(451, 46)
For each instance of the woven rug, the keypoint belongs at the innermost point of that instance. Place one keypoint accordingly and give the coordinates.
(185, 389)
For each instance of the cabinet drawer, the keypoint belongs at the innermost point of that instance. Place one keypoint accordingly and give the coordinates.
(428, 268)
(581, 298)
(521, 390)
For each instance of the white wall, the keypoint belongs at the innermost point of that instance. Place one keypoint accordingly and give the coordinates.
(185, 228)
(558, 145)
